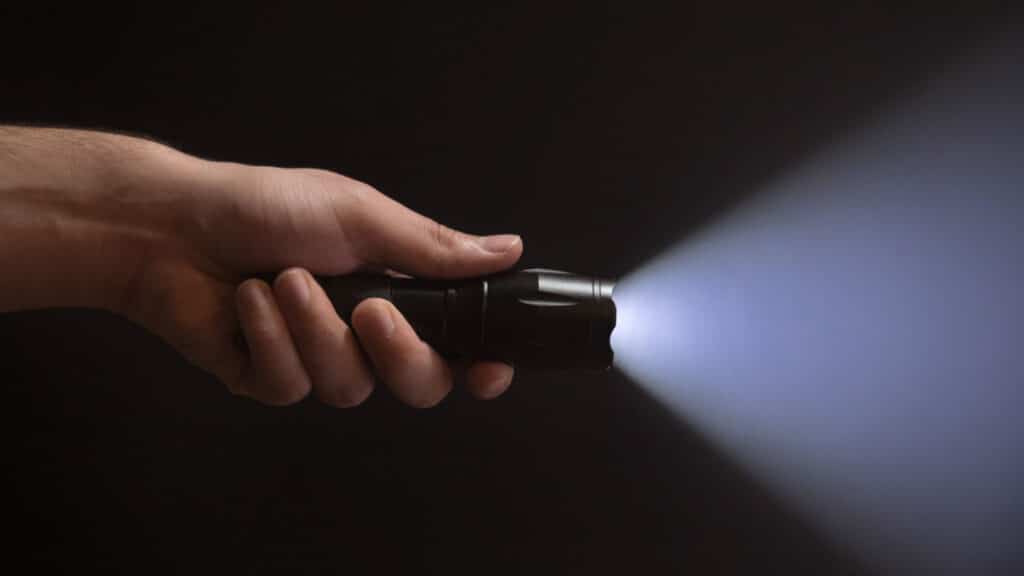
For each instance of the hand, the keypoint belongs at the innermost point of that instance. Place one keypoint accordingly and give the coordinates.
(249, 219)
(185, 234)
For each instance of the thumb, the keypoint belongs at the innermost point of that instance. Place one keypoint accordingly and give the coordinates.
(387, 234)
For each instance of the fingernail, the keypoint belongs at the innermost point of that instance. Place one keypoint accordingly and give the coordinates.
(296, 285)
(498, 244)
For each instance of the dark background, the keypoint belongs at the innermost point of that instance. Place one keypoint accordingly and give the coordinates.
(603, 134)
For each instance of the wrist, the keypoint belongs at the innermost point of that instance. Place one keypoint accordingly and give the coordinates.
(80, 212)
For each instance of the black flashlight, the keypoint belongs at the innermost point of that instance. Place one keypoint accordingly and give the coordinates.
(535, 319)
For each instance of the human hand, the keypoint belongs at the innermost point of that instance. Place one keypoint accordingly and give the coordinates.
(187, 234)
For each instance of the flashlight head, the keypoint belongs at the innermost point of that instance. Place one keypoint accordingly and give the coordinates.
(548, 319)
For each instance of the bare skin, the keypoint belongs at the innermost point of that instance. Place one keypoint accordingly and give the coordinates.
(171, 241)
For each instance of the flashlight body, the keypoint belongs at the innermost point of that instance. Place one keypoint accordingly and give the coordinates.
(539, 319)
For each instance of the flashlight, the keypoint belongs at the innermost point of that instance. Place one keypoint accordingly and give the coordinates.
(535, 319)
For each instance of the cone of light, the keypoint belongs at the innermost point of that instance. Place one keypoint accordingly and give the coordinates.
(854, 336)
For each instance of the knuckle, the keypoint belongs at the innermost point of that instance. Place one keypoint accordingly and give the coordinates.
(427, 392)
(345, 395)
(281, 393)
(293, 396)
(444, 237)
(443, 243)
(427, 400)
(357, 195)
(360, 190)
(351, 210)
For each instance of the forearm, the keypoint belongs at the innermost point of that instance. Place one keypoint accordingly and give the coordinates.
(73, 224)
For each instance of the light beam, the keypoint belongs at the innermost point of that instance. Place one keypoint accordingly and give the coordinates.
(855, 336)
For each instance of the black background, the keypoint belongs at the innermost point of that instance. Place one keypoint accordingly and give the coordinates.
(602, 134)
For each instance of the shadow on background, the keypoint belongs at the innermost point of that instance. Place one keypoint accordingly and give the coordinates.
(602, 135)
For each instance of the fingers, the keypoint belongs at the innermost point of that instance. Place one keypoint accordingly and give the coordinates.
(487, 380)
(389, 234)
(297, 343)
(275, 374)
(328, 349)
(416, 374)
